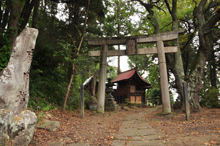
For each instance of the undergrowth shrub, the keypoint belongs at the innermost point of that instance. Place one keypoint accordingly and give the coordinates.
(210, 98)
(5, 52)
(48, 88)
(40, 104)
(155, 96)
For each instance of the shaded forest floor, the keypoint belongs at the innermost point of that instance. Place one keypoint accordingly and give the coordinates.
(203, 129)
(94, 129)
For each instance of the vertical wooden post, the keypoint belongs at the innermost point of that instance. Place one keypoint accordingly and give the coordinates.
(81, 101)
(102, 79)
(185, 90)
(119, 61)
(163, 77)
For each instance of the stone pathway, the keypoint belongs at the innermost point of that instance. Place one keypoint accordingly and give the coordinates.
(135, 131)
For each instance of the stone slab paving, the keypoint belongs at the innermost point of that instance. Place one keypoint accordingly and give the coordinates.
(49, 125)
(79, 144)
(61, 142)
(135, 131)
(54, 143)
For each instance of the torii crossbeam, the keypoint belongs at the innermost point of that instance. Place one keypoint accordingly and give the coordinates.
(131, 49)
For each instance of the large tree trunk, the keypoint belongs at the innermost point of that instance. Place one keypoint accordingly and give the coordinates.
(26, 12)
(35, 14)
(14, 19)
(205, 33)
(205, 48)
(195, 82)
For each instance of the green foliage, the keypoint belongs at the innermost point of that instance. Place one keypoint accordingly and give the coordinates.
(118, 18)
(40, 104)
(47, 87)
(4, 56)
(5, 52)
(210, 98)
(153, 76)
(48, 75)
(111, 72)
(143, 62)
(155, 96)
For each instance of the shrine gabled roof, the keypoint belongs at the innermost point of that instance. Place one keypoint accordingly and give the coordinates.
(124, 75)
(127, 75)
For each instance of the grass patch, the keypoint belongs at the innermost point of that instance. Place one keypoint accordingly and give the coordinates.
(166, 114)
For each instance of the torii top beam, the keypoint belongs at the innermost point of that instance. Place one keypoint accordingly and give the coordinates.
(167, 36)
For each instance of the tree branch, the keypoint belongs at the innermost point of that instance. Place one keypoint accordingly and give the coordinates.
(168, 6)
(212, 5)
(174, 10)
(215, 35)
(151, 17)
(184, 48)
(61, 1)
(211, 23)
(84, 29)
(166, 25)
(202, 4)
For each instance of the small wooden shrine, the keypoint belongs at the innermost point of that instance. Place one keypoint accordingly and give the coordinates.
(131, 87)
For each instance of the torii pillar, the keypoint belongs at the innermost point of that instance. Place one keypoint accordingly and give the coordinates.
(163, 77)
(102, 79)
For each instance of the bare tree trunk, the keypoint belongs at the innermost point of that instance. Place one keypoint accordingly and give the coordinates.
(35, 14)
(26, 12)
(73, 66)
(14, 19)
(68, 88)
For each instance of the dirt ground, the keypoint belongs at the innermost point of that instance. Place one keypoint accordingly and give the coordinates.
(100, 130)
(202, 129)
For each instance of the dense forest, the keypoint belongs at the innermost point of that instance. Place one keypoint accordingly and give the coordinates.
(61, 61)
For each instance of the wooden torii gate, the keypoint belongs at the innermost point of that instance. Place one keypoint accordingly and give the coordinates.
(131, 49)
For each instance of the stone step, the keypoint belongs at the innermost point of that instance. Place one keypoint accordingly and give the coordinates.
(49, 125)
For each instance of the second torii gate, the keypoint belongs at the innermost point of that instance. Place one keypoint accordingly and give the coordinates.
(131, 49)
